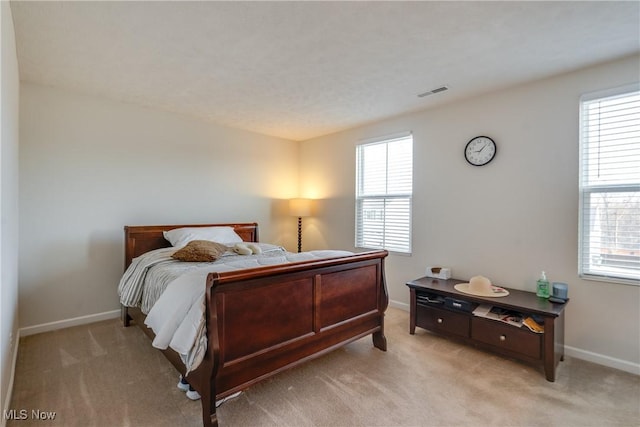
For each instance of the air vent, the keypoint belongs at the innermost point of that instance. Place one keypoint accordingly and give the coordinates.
(434, 91)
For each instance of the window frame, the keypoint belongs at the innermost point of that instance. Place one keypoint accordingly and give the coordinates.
(586, 268)
(359, 197)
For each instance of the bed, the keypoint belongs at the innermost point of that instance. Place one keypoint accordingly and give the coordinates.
(261, 321)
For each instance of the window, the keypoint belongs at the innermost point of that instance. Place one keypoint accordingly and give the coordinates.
(384, 184)
(610, 186)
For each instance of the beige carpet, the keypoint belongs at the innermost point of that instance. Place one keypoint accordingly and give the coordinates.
(106, 375)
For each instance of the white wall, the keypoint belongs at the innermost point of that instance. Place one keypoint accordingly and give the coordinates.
(508, 220)
(9, 93)
(89, 166)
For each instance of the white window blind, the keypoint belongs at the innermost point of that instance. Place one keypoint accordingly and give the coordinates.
(384, 186)
(610, 186)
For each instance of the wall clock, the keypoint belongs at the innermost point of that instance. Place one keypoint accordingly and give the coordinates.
(480, 150)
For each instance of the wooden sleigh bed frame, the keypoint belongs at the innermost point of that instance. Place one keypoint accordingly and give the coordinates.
(264, 320)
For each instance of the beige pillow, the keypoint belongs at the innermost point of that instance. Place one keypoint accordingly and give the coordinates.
(200, 251)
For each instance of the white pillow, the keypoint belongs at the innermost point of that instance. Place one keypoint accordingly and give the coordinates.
(179, 237)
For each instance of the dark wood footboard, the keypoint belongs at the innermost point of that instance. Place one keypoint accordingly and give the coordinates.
(262, 321)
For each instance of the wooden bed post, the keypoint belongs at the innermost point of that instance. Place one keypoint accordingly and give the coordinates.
(124, 316)
(209, 415)
(379, 339)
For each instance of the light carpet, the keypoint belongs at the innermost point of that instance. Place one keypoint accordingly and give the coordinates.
(103, 374)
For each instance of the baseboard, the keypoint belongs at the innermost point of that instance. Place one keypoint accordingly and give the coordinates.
(14, 360)
(600, 359)
(397, 304)
(76, 321)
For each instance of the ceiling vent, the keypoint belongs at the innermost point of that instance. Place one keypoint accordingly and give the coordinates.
(434, 91)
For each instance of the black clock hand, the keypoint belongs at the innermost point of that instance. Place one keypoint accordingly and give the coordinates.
(483, 147)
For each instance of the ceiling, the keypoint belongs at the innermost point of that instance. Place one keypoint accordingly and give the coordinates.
(298, 70)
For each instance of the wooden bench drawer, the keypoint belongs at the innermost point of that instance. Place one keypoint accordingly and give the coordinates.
(438, 320)
(507, 337)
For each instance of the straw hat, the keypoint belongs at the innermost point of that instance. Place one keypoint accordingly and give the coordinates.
(481, 286)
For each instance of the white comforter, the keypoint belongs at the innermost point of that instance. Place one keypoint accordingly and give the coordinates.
(172, 293)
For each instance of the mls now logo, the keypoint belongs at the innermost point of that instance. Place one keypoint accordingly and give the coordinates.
(23, 414)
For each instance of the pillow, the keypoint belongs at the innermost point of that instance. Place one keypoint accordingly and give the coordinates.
(200, 251)
(179, 237)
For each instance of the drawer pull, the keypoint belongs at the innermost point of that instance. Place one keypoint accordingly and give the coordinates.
(440, 320)
(503, 337)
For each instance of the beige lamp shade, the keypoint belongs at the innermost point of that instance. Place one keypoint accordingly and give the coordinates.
(300, 207)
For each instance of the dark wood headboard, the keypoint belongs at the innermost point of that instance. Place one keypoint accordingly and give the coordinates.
(139, 239)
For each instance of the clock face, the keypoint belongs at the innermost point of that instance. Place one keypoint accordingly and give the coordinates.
(480, 150)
